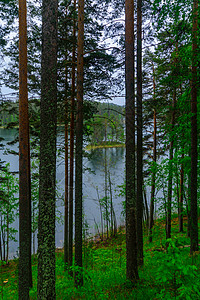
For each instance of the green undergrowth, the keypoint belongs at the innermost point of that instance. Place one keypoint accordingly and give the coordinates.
(168, 273)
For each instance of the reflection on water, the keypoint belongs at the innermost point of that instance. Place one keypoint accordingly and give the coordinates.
(8, 134)
(112, 155)
(97, 165)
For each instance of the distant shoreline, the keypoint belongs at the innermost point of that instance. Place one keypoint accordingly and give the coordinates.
(93, 147)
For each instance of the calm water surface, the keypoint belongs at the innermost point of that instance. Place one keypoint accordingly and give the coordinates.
(97, 162)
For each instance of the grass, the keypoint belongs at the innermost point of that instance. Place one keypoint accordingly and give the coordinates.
(172, 274)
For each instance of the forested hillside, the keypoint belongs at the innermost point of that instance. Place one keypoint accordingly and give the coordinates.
(90, 81)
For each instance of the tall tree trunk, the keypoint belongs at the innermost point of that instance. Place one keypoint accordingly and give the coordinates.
(71, 175)
(111, 205)
(2, 237)
(146, 208)
(177, 182)
(47, 172)
(101, 213)
(24, 158)
(139, 135)
(171, 150)
(188, 202)
(66, 227)
(79, 147)
(106, 189)
(131, 237)
(7, 231)
(154, 161)
(30, 214)
(1, 257)
(180, 205)
(194, 154)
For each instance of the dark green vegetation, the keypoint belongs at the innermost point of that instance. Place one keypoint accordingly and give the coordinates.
(103, 122)
(171, 274)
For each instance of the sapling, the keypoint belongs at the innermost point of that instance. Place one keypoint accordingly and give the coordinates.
(9, 206)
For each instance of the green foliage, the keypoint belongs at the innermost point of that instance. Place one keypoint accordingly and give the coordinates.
(107, 125)
(178, 279)
(168, 272)
(9, 207)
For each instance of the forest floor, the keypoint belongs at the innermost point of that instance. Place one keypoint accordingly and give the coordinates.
(166, 274)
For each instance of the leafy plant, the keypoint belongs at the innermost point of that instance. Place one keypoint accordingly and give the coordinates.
(177, 279)
(9, 206)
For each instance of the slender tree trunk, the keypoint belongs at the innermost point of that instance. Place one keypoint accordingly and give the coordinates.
(177, 182)
(111, 205)
(0, 246)
(181, 191)
(30, 214)
(24, 158)
(131, 237)
(153, 175)
(33, 242)
(71, 175)
(188, 202)
(33, 220)
(66, 227)
(146, 207)
(7, 224)
(115, 223)
(101, 213)
(194, 154)
(4, 240)
(106, 189)
(79, 147)
(151, 213)
(7, 233)
(47, 172)
(180, 206)
(139, 135)
(169, 196)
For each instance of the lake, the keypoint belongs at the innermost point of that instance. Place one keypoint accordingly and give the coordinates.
(93, 180)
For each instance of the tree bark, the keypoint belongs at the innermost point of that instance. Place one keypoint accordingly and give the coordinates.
(7, 225)
(79, 148)
(24, 162)
(111, 205)
(131, 238)
(194, 154)
(180, 206)
(66, 225)
(151, 214)
(106, 188)
(146, 208)
(171, 150)
(71, 175)
(188, 202)
(47, 171)
(139, 135)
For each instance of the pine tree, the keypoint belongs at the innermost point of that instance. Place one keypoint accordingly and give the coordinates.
(25, 280)
(139, 135)
(194, 154)
(47, 172)
(79, 147)
(131, 238)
